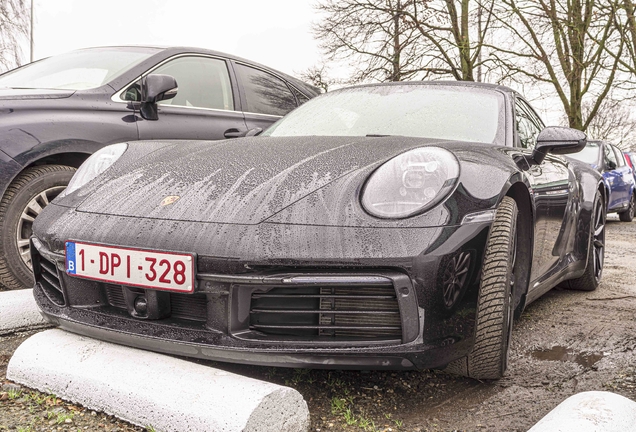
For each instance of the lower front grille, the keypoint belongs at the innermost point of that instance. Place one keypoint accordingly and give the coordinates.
(192, 307)
(189, 306)
(115, 296)
(47, 276)
(333, 312)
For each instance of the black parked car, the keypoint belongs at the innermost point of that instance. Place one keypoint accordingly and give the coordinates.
(381, 226)
(55, 112)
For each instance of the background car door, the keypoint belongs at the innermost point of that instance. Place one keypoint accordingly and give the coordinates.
(206, 105)
(614, 178)
(552, 184)
(624, 172)
(265, 97)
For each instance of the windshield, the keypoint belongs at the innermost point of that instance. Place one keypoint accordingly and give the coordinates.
(589, 154)
(428, 111)
(76, 70)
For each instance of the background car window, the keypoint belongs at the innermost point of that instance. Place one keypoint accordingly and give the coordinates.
(609, 155)
(619, 157)
(76, 70)
(589, 154)
(301, 98)
(528, 125)
(203, 83)
(265, 93)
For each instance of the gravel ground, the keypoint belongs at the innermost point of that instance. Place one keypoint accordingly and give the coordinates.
(564, 343)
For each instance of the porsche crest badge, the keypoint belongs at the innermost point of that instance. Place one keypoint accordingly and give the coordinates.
(170, 200)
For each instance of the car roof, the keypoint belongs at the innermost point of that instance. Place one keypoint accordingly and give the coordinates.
(444, 83)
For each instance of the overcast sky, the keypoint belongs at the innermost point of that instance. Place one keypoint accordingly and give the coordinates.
(276, 33)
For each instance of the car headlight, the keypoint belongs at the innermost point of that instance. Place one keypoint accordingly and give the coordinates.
(410, 183)
(99, 162)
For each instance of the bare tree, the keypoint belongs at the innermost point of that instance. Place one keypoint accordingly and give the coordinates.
(372, 36)
(454, 32)
(318, 76)
(613, 123)
(14, 16)
(567, 45)
(625, 22)
(393, 40)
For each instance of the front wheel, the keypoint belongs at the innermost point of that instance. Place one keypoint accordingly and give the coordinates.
(22, 202)
(493, 328)
(628, 215)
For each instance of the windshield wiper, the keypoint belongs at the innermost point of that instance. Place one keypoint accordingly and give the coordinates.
(376, 135)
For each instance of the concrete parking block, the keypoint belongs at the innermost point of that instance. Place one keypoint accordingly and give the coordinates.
(18, 312)
(590, 412)
(150, 389)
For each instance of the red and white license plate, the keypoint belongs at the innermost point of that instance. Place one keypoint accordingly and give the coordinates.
(167, 271)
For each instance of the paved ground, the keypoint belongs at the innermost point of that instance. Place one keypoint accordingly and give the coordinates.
(564, 343)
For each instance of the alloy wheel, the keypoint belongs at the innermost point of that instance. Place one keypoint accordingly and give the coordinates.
(30, 212)
(599, 240)
(454, 278)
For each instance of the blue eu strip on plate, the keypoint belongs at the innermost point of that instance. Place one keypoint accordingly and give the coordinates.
(70, 258)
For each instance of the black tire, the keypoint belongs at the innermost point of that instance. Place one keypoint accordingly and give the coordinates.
(488, 358)
(31, 191)
(596, 251)
(628, 215)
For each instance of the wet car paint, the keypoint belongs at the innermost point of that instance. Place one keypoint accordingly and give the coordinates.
(37, 124)
(276, 208)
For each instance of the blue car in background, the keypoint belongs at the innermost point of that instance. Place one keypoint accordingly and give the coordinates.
(630, 157)
(617, 175)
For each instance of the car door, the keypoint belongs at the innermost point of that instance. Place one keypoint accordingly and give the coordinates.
(553, 184)
(207, 104)
(624, 174)
(265, 97)
(613, 178)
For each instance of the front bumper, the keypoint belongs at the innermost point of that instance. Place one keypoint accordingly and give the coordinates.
(361, 312)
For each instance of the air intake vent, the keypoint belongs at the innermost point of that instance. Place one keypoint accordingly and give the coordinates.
(49, 279)
(115, 296)
(192, 307)
(338, 313)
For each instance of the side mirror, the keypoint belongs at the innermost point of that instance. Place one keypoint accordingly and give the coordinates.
(611, 165)
(558, 140)
(155, 88)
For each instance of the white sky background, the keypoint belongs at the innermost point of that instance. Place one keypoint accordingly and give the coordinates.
(276, 33)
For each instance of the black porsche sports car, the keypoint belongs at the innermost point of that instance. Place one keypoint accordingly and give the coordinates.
(382, 226)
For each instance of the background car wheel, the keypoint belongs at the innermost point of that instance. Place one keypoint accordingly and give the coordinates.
(596, 252)
(24, 199)
(628, 215)
(493, 329)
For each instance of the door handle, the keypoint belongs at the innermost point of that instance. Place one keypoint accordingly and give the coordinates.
(234, 133)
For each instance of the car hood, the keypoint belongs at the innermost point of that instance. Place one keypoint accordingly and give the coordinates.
(244, 181)
(22, 94)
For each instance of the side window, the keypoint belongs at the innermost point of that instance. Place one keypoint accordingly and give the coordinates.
(528, 124)
(609, 155)
(619, 157)
(203, 83)
(265, 93)
(300, 97)
(133, 93)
